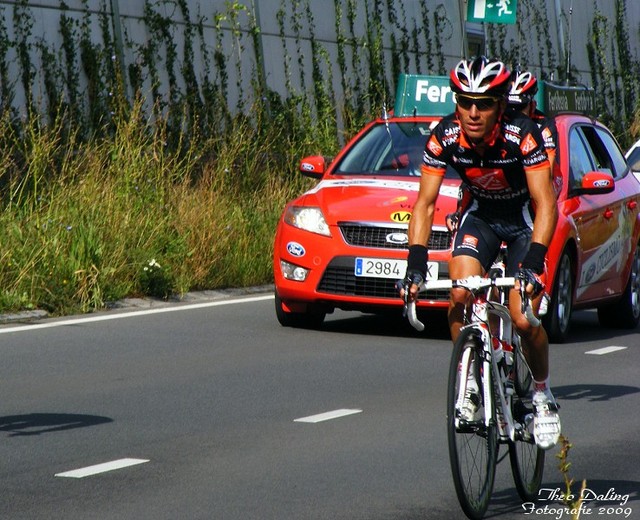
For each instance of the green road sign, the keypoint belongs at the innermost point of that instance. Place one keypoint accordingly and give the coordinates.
(492, 11)
(560, 99)
(418, 95)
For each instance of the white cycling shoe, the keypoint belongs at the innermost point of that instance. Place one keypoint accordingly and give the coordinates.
(546, 421)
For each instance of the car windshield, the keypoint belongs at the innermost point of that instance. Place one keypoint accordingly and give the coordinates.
(387, 149)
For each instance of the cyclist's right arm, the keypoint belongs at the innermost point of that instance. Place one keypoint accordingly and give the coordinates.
(420, 227)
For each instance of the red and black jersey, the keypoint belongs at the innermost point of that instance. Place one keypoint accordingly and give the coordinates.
(547, 126)
(496, 178)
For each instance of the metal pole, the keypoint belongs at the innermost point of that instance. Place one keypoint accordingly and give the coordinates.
(463, 29)
(262, 75)
(117, 36)
(559, 30)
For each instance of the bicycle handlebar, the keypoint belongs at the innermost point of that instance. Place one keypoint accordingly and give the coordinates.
(473, 284)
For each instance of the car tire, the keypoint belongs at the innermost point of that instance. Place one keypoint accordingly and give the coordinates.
(557, 321)
(303, 320)
(625, 313)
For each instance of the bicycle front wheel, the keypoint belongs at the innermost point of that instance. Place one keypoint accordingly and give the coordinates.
(473, 446)
(522, 374)
(527, 460)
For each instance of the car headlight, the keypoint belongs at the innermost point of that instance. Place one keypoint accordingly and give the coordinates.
(307, 218)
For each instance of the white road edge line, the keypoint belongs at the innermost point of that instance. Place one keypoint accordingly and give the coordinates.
(133, 314)
(605, 350)
(101, 468)
(327, 416)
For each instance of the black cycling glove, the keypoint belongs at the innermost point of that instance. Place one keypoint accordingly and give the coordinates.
(532, 266)
(416, 265)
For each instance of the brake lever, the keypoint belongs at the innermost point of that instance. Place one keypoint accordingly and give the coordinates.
(401, 285)
(526, 306)
(409, 310)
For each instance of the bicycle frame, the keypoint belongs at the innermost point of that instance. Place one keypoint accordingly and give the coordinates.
(479, 314)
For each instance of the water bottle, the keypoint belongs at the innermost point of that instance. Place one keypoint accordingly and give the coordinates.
(503, 351)
(498, 353)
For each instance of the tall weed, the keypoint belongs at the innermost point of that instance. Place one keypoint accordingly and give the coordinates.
(87, 222)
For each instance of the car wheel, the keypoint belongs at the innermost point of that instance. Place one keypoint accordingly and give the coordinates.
(557, 321)
(304, 320)
(625, 313)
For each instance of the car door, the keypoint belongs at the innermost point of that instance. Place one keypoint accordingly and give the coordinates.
(602, 223)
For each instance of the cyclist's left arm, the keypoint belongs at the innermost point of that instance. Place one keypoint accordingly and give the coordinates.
(544, 200)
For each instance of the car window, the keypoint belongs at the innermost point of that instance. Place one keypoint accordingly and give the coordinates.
(579, 158)
(387, 149)
(605, 152)
(616, 160)
(634, 159)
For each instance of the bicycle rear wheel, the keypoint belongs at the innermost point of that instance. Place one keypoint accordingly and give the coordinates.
(473, 446)
(527, 460)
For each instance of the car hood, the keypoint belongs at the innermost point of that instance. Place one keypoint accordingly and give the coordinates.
(375, 199)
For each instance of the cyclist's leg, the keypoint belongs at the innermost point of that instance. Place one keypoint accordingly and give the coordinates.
(535, 345)
(474, 249)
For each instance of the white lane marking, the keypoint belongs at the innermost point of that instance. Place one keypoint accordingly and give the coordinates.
(327, 416)
(605, 350)
(133, 314)
(101, 468)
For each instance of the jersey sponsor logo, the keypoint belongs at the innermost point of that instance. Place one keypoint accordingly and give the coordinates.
(490, 179)
(528, 144)
(434, 147)
(470, 242)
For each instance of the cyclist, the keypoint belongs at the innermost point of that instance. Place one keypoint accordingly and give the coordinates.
(521, 98)
(500, 156)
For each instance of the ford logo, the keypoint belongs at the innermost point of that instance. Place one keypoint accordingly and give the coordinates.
(397, 238)
(602, 183)
(307, 167)
(295, 249)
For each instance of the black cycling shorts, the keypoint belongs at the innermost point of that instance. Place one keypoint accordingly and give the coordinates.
(480, 236)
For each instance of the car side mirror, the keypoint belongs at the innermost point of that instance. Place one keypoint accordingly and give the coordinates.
(313, 166)
(595, 183)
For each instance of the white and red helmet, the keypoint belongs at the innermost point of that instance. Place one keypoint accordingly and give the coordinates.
(480, 76)
(524, 86)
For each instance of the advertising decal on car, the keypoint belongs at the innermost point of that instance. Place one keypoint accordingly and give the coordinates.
(605, 259)
(446, 191)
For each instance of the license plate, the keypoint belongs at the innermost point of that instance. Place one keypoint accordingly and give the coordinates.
(389, 268)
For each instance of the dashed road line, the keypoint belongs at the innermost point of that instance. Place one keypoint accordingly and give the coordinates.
(605, 350)
(327, 416)
(101, 468)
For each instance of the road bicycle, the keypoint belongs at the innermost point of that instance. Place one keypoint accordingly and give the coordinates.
(488, 351)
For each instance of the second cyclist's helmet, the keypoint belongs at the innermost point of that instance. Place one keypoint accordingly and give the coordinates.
(524, 86)
(480, 76)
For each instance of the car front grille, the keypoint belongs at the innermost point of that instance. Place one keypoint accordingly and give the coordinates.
(371, 235)
(339, 278)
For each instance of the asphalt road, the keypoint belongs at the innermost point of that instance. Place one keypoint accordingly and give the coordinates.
(194, 412)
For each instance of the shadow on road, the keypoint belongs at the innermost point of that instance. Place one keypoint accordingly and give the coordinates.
(389, 324)
(39, 423)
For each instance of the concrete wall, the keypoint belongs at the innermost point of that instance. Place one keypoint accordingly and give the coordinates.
(430, 30)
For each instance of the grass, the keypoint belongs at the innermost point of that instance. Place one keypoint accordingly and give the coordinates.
(91, 221)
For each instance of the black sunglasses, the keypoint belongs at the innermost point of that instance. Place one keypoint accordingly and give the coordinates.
(481, 103)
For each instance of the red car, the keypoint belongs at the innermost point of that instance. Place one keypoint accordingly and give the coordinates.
(343, 244)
